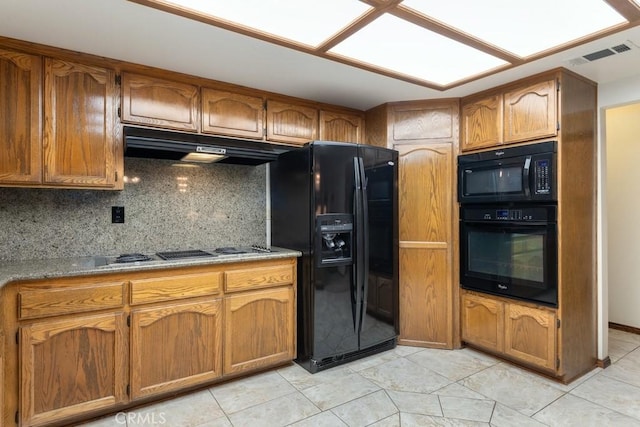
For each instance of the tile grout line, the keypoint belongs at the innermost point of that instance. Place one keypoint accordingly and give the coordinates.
(219, 406)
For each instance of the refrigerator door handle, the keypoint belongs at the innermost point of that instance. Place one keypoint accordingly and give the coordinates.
(365, 242)
(354, 275)
(357, 209)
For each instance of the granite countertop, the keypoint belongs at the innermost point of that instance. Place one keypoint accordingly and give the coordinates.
(79, 266)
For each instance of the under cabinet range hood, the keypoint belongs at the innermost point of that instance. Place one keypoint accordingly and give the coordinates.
(169, 145)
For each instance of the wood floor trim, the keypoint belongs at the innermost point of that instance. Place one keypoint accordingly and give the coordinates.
(603, 363)
(624, 328)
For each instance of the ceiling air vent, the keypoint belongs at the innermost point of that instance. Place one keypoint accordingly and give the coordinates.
(621, 48)
(599, 54)
(594, 56)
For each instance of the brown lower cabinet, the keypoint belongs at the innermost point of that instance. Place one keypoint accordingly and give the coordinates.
(72, 366)
(258, 329)
(517, 331)
(86, 346)
(192, 358)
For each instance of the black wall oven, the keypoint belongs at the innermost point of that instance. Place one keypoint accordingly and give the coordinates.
(510, 251)
(508, 222)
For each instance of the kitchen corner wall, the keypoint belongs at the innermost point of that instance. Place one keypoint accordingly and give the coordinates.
(168, 206)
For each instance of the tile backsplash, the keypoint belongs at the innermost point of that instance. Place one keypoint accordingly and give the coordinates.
(167, 207)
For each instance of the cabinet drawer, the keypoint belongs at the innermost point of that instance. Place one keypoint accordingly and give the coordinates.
(144, 291)
(34, 303)
(254, 278)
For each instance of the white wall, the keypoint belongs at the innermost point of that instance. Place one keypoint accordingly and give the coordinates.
(622, 137)
(610, 95)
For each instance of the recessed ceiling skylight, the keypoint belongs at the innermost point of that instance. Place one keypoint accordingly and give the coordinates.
(306, 21)
(398, 45)
(523, 27)
(433, 43)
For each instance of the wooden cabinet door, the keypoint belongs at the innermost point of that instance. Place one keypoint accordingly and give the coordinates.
(228, 113)
(80, 144)
(483, 322)
(20, 118)
(481, 123)
(176, 346)
(71, 367)
(425, 221)
(424, 122)
(158, 102)
(530, 335)
(259, 329)
(341, 127)
(531, 112)
(295, 124)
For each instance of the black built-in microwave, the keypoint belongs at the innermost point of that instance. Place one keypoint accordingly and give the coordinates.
(519, 174)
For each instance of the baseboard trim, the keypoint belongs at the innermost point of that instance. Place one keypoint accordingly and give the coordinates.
(603, 363)
(624, 328)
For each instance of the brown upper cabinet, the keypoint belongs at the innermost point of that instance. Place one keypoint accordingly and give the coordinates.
(291, 123)
(522, 112)
(424, 122)
(80, 143)
(342, 127)
(530, 112)
(21, 124)
(481, 122)
(234, 114)
(159, 102)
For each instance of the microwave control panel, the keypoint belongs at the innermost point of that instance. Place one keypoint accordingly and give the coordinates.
(543, 176)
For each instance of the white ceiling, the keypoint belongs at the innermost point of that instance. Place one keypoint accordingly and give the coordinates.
(127, 31)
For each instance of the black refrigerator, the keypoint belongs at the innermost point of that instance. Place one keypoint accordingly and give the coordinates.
(337, 203)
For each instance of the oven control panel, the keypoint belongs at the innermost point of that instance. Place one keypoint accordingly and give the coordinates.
(510, 214)
(545, 213)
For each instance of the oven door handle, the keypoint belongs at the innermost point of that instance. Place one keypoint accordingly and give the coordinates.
(526, 178)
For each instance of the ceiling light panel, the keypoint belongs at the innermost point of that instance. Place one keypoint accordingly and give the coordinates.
(308, 22)
(400, 46)
(523, 27)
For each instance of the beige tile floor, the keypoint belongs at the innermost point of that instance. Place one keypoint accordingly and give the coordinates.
(411, 386)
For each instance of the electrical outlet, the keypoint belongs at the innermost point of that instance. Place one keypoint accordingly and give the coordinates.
(117, 214)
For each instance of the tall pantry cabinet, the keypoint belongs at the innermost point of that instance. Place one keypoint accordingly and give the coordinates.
(425, 133)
